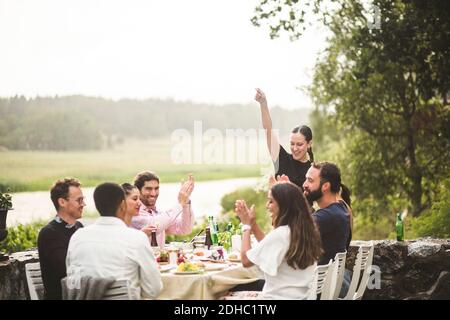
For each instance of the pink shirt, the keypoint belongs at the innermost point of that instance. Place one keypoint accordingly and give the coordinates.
(178, 220)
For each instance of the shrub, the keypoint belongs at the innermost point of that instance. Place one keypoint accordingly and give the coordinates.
(436, 221)
(21, 237)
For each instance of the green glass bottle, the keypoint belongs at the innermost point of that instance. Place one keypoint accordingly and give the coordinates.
(215, 234)
(400, 228)
(213, 230)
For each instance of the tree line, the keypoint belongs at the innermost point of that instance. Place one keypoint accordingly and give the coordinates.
(86, 123)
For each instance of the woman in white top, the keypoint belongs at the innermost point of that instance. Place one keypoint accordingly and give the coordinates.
(289, 253)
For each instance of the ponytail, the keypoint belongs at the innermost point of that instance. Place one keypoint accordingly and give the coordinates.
(311, 154)
(345, 195)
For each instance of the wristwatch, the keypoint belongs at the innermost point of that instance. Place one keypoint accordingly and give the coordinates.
(246, 227)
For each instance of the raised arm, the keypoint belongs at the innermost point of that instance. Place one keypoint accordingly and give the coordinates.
(184, 224)
(248, 217)
(273, 143)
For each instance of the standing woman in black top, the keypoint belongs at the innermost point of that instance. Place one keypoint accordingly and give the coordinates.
(294, 164)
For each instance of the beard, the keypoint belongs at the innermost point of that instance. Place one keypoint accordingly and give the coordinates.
(148, 202)
(314, 195)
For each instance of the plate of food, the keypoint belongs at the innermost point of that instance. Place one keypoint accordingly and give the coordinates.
(188, 272)
(188, 268)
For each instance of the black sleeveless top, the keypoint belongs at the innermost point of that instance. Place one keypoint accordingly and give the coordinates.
(295, 170)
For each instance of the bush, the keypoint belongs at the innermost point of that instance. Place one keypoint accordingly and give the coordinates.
(22, 237)
(436, 221)
(251, 196)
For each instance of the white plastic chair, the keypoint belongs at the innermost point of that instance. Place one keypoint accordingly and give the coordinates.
(361, 269)
(119, 290)
(338, 274)
(34, 280)
(322, 282)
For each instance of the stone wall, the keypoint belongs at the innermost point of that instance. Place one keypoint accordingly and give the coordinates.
(415, 269)
(13, 283)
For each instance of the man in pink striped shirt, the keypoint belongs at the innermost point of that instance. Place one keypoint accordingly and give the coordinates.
(178, 220)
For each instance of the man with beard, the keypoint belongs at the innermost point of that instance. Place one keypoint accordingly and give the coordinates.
(178, 220)
(322, 184)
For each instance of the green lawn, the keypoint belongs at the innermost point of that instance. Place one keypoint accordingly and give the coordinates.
(34, 171)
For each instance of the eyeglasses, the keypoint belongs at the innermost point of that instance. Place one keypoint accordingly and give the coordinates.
(80, 200)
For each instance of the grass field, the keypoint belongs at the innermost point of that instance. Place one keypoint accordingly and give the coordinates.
(34, 171)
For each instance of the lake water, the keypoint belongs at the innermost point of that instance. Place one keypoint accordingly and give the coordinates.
(31, 206)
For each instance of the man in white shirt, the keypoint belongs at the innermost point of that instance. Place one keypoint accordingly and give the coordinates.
(109, 248)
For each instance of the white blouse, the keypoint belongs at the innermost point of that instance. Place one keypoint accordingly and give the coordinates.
(282, 281)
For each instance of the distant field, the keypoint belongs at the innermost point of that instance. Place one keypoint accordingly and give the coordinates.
(34, 171)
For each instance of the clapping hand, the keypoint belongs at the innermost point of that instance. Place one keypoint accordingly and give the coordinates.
(186, 190)
(247, 216)
(280, 179)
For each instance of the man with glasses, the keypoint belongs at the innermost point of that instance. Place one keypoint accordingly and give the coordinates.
(53, 239)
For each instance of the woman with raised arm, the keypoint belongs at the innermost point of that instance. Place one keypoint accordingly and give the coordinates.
(294, 164)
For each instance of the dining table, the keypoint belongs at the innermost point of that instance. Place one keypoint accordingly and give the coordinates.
(211, 283)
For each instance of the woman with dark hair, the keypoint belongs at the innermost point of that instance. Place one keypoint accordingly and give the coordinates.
(296, 164)
(133, 204)
(132, 200)
(289, 253)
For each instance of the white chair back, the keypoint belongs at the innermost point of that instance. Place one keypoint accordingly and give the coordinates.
(119, 290)
(322, 281)
(338, 275)
(34, 280)
(362, 269)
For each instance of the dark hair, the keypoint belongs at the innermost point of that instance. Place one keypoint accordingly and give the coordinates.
(345, 195)
(107, 198)
(307, 133)
(305, 244)
(127, 188)
(329, 172)
(60, 189)
(142, 177)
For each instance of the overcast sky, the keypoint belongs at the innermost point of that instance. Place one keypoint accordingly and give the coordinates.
(199, 50)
